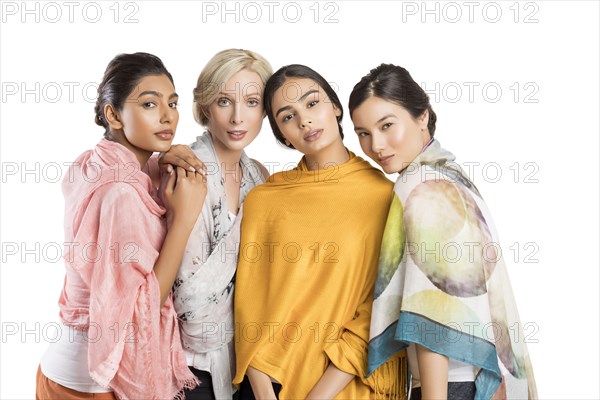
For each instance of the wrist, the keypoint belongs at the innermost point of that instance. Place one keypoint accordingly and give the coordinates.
(180, 221)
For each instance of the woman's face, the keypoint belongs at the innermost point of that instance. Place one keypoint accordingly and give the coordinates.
(389, 134)
(305, 115)
(235, 117)
(149, 116)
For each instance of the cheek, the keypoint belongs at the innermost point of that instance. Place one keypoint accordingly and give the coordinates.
(255, 116)
(326, 113)
(365, 145)
(398, 139)
(285, 131)
(218, 117)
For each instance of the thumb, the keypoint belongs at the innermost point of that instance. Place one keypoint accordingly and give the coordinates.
(167, 183)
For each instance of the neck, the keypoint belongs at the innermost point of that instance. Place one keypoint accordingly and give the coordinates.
(140, 154)
(229, 160)
(426, 137)
(334, 154)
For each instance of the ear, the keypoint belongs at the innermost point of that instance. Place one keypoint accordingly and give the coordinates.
(112, 117)
(337, 111)
(204, 110)
(423, 119)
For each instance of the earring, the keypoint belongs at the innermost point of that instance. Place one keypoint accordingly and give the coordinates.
(287, 142)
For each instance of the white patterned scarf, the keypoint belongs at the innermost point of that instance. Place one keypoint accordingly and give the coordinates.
(203, 289)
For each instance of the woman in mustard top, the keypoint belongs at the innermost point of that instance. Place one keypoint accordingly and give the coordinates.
(310, 241)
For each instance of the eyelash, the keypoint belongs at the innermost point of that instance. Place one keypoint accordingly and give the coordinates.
(151, 104)
(288, 117)
(383, 128)
(223, 102)
(223, 99)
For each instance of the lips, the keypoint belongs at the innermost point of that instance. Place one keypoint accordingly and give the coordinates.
(236, 135)
(167, 134)
(313, 135)
(385, 159)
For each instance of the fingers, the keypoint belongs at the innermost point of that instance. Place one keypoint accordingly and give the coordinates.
(181, 173)
(182, 156)
(171, 182)
(167, 185)
(192, 163)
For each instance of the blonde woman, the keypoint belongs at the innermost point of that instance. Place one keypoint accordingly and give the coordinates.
(228, 103)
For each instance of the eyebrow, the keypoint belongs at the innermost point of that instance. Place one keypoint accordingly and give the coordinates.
(304, 96)
(155, 93)
(357, 128)
(245, 94)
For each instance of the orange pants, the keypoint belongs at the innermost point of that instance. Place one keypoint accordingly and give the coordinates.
(47, 389)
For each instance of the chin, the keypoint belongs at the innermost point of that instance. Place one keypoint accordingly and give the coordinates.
(388, 169)
(163, 147)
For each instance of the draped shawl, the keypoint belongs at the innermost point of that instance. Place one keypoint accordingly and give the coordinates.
(114, 230)
(203, 289)
(309, 247)
(442, 282)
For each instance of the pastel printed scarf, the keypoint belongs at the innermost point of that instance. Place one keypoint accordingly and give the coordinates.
(442, 281)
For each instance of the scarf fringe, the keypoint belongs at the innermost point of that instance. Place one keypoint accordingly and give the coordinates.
(189, 384)
(389, 380)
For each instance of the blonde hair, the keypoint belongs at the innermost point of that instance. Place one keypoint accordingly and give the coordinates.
(219, 70)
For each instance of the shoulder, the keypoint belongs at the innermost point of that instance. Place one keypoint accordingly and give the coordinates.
(262, 168)
(116, 194)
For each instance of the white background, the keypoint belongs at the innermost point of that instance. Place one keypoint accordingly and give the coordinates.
(549, 211)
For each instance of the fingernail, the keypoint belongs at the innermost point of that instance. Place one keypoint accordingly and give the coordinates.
(192, 169)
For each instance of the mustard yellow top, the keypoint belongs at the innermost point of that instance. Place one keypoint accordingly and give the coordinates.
(309, 249)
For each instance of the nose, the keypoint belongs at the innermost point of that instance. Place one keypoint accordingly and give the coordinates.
(236, 114)
(304, 121)
(169, 115)
(377, 142)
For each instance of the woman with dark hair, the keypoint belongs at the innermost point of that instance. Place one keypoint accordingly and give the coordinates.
(306, 270)
(442, 281)
(120, 336)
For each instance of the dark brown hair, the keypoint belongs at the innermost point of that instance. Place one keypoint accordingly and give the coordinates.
(393, 83)
(296, 71)
(122, 74)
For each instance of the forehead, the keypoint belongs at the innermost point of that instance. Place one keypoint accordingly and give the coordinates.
(293, 89)
(244, 81)
(374, 108)
(154, 83)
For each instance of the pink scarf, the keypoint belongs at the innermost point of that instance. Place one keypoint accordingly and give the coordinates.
(114, 230)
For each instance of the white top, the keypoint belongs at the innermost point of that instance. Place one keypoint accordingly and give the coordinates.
(457, 371)
(66, 361)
